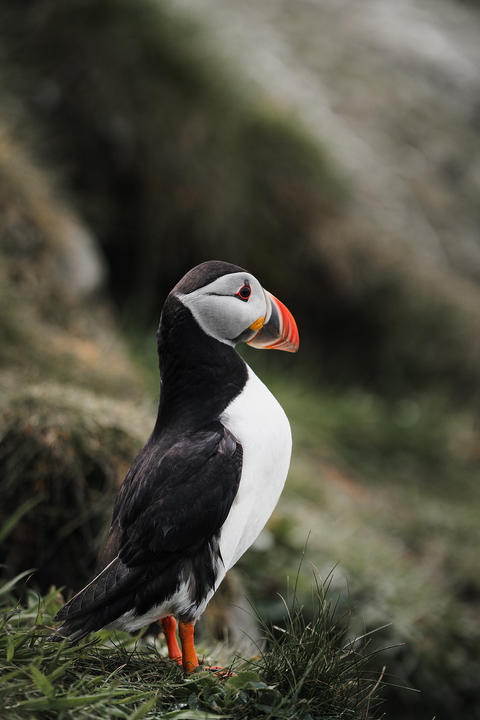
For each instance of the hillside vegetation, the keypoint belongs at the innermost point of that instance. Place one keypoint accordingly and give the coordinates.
(171, 161)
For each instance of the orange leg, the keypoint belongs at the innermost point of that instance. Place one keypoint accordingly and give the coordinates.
(189, 656)
(168, 626)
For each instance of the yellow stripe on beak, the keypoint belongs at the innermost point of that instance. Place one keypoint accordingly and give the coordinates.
(258, 324)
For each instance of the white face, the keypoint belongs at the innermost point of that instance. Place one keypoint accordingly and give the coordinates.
(222, 312)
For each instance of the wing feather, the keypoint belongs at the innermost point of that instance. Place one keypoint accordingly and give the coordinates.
(173, 501)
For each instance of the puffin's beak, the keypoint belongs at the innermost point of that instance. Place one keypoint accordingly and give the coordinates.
(278, 331)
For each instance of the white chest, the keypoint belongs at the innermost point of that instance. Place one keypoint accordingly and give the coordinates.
(259, 423)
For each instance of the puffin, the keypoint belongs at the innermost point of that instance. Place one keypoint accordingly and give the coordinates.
(209, 476)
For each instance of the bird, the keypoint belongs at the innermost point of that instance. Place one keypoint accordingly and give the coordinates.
(205, 483)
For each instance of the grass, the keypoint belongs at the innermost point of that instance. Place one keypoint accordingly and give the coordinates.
(306, 653)
(308, 671)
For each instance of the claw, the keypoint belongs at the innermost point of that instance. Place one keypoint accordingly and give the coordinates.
(221, 672)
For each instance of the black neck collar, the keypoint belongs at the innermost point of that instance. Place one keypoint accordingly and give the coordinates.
(200, 376)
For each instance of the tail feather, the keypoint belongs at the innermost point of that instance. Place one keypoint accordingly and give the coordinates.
(102, 601)
(78, 627)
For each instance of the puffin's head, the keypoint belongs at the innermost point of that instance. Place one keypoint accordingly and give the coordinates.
(230, 305)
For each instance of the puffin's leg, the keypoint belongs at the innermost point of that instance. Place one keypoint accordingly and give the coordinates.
(189, 656)
(168, 626)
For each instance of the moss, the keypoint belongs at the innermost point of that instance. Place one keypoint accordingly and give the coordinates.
(69, 450)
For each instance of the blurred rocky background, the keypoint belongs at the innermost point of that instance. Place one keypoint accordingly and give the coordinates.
(332, 148)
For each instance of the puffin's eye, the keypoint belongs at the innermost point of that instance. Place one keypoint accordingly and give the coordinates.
(244, 292)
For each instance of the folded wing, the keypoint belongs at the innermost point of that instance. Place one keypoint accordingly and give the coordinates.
(166, 519)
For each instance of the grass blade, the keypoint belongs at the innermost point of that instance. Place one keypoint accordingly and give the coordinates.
(42, 682)
(6, 587)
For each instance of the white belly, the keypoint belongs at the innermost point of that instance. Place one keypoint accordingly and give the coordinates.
(258, 422)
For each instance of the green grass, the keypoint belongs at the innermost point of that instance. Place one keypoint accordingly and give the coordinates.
(309, 670)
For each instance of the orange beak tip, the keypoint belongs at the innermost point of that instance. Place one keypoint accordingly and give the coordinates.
(280, 332)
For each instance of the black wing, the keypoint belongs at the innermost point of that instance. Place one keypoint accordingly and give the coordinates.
(179, 499)
(173, 502)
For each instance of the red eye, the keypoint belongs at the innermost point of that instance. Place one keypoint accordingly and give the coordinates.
(244, 292)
